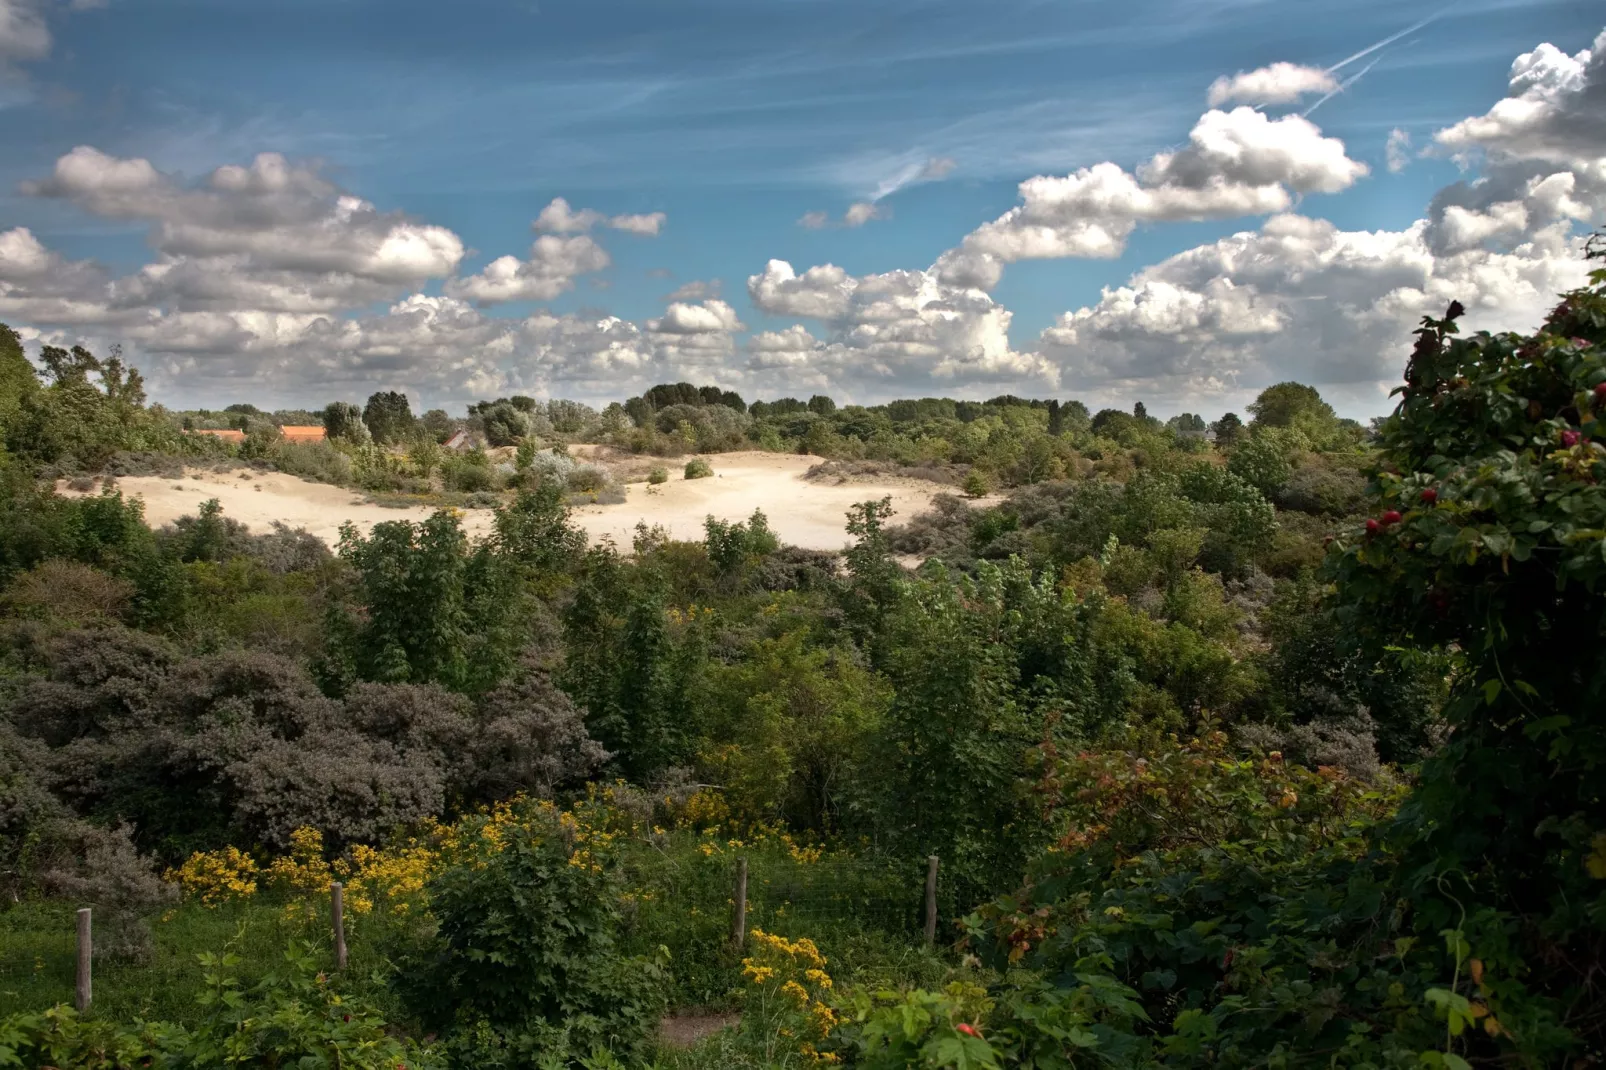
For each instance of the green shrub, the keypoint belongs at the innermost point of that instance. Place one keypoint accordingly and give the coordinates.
(321, 462)
(697, 468)
(460, 473)
(526, 957)
(658, 475)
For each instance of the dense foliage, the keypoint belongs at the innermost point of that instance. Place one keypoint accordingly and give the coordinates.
(1274, 743)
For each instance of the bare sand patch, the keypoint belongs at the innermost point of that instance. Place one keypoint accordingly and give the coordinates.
(802, 512)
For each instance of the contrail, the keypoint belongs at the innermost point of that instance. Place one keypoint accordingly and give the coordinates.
(1363, 53)
(1351, 80)
(1369, 49)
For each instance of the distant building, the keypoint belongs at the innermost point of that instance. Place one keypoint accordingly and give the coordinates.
(302, 433)
(225, 435)
(460, 440)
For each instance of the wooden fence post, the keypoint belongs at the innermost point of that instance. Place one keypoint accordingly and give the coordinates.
(337, 910)
(931, 900)
(739, 905)
(86, 958)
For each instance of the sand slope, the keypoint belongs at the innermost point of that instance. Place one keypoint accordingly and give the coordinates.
(802, 512)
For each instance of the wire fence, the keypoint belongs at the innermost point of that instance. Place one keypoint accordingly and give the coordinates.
(785, 894)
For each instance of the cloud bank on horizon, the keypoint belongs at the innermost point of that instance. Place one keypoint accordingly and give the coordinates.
(267, 277)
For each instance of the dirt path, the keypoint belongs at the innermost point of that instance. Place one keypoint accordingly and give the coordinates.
(804, 513)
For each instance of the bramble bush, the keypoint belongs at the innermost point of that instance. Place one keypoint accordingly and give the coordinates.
(1489, 538)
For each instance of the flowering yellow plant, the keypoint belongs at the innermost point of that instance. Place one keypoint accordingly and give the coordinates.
(215, 877)
(787, 995)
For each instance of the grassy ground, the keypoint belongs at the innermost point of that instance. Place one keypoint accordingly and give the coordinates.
(38, 957)
(864, 917)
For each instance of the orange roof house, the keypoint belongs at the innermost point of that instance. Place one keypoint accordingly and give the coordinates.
(225, 435)
(302, 433)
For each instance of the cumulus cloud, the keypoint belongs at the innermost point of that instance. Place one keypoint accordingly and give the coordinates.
(905, 327)
(1235, 163)
(648, 225)
(559, 218)
(1280, 83)
(1543, 149)
(814, 220)
(705, 318)
(692, 338)
(270, 216)
(1299, 298)
(1555, 110)
(551, 270)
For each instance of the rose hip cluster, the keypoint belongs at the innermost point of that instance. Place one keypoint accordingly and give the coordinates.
(1389, 519)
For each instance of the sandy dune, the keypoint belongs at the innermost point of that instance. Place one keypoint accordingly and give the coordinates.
(803, 513)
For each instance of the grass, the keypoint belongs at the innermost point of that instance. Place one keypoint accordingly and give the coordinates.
(38, 957)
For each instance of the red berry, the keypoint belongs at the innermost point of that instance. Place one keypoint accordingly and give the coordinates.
(967, 1029)
(1569, 439)
(1429, 495)
(1391, 517)
(1373, 527)
(1600, 392)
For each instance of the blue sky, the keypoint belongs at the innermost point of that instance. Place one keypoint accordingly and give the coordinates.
(734, 119)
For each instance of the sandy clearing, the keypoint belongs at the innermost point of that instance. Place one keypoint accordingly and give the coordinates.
(803, 513)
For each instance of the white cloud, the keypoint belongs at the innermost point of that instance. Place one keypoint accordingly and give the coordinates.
(648, 225)
(861, 212)
(1302, 299)
(551, 270)
(691, 339)
(22, 257)
(1555, 110)
(908, 328)
(1280, 83)
(1236, 163)
(790, 348)
(1543, 148)
(914, 171)
(270, 216)
(858, 214)
(696, 290)
(1397, 150)
(559, 218)
(23, 33)
(706, 318)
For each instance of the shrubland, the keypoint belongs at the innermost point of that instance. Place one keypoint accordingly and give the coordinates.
(1264, 743)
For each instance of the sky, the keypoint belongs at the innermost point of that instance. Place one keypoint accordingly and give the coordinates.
(1178, 202)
